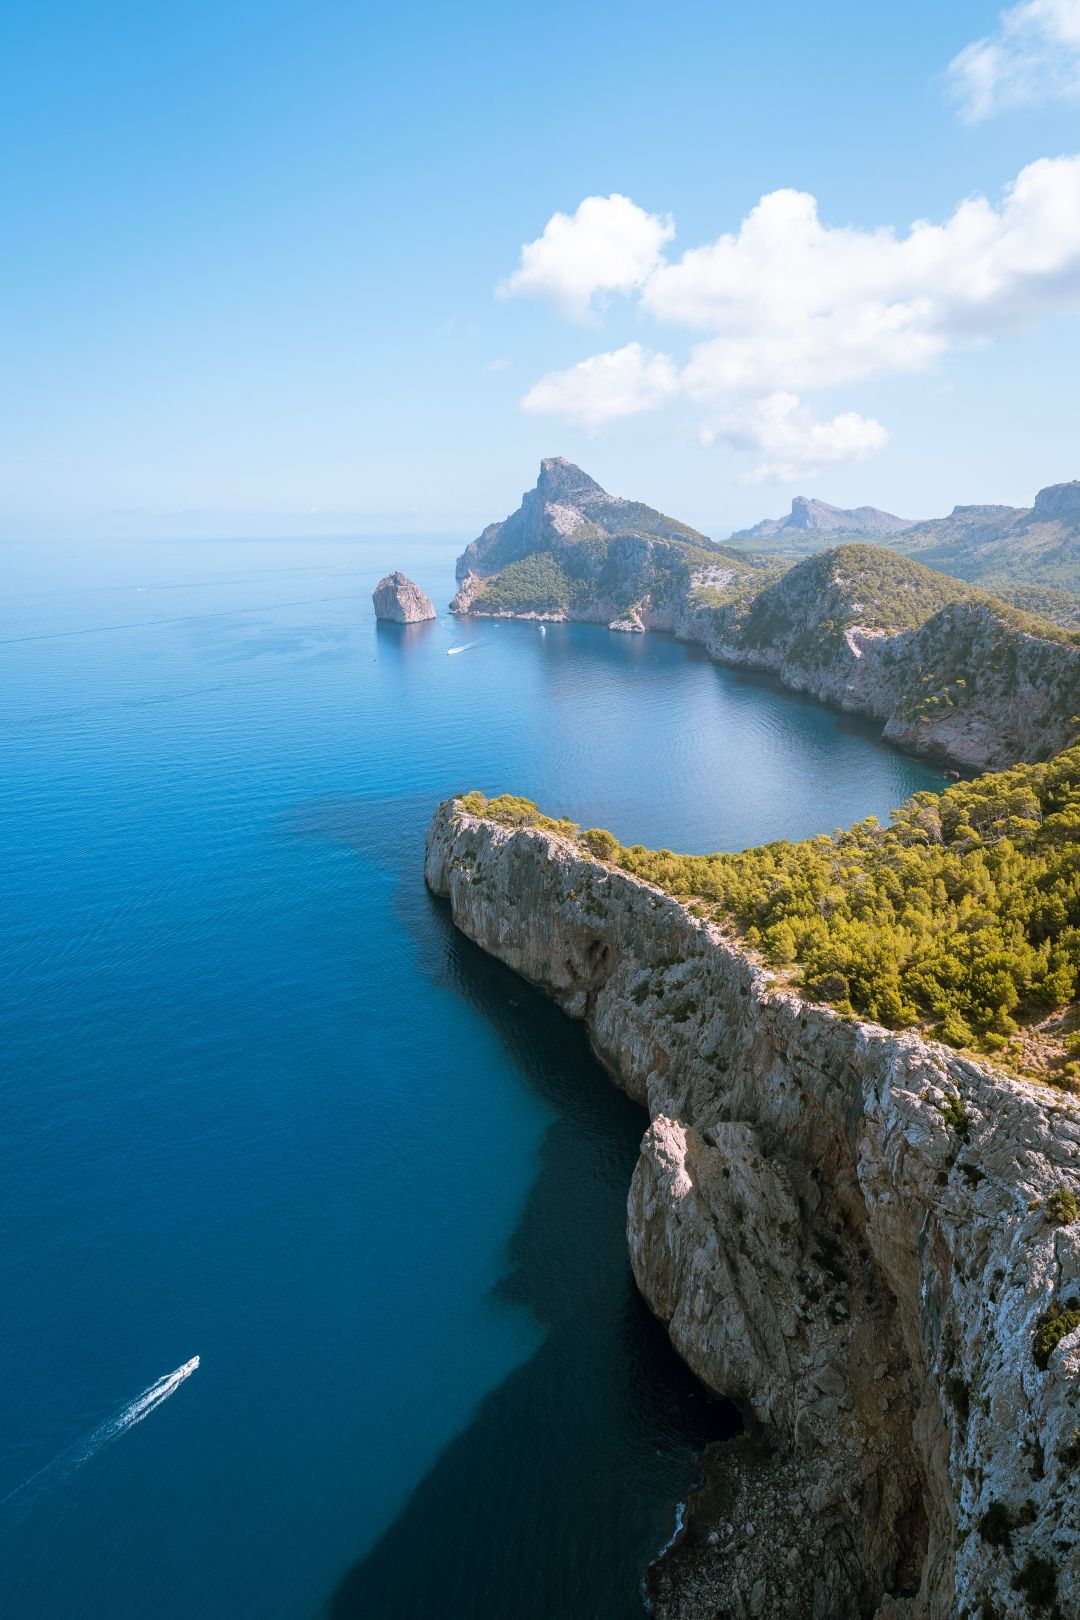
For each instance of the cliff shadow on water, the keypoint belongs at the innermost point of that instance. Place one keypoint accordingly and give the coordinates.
(564, 1485)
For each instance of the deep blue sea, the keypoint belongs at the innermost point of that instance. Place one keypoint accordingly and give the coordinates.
(259, 1102)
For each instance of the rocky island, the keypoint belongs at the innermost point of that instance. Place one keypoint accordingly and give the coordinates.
(399, 601)
(950, 670)
(865, 1236)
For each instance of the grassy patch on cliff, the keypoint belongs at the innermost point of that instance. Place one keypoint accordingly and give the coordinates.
(536, 584)
(961, 918)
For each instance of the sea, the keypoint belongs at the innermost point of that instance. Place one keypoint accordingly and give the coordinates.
(260, 1103)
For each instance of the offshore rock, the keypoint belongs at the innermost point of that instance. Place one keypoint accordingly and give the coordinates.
(400, 601)
(842, 1228)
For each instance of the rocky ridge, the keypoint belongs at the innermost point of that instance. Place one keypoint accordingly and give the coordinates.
(813, 517)
(846, 1230)
(399, 600)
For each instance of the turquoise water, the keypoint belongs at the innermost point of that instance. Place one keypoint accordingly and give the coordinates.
(260, 1103)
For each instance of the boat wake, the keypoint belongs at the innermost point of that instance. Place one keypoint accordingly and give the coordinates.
(63, 1466)
(468, 647)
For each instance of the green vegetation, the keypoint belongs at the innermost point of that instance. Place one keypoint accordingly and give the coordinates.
(1052, 1327)
(996, 1526)
(634, 517)
(591, 566)
(850, 585)
(511, 811)
(962, 915)
(536, 584)
(962, 918)
(1038, 1582)
(1044, 602)
(1062, 1206)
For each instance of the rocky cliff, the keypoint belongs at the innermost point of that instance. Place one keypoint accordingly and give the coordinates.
(862, 1237)
(399, 600)
(949, 670)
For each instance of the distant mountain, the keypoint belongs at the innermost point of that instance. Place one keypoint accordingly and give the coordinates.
(810, 518)
(1000, 547)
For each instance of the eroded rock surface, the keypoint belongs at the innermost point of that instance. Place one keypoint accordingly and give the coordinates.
(844, 1229)
(400, 601)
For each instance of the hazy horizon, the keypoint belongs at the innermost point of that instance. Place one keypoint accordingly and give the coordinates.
(275, 276)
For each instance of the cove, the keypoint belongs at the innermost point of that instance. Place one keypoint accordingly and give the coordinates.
(262, 1104)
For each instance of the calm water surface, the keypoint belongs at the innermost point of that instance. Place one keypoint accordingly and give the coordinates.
(261, 1104)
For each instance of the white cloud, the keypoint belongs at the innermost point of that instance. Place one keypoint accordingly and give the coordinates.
(621, 383)
(608, 245)
(795, 443)
(787, 304)
(1033, 57)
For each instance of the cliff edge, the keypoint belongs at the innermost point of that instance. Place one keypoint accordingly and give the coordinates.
(865, 1238)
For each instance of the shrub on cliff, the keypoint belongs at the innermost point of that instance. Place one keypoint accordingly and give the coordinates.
(961, 916)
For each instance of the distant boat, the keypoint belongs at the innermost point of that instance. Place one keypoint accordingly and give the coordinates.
(543, 629)
(450, 651)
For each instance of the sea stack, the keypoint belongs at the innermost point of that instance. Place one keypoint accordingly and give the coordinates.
(399, 600)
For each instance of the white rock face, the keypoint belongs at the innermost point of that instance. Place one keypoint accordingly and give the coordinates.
(843, 1229)
(399, 600)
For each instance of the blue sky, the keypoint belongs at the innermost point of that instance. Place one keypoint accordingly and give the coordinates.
(252, 256)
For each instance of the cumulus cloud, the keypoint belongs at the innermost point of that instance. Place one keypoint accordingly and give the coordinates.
(794, 442)
(1033, 57)
(605, 386)
(608, 245)
(787, 304)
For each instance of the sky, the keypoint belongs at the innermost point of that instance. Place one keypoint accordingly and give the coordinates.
(338, 268)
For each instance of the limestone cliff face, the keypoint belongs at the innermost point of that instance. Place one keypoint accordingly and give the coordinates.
(843, 1228)
(971, 684)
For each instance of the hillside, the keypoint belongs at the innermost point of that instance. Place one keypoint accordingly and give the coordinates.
(1005, 545)
(949, 669)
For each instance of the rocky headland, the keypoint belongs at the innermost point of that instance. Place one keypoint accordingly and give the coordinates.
(398, 600)
(866, 1238)
(949, 670)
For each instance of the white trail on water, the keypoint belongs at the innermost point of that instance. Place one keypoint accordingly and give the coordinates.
(74, 1456)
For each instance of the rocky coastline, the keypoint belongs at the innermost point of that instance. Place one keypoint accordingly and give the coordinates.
(949, 672)
(844, 1229)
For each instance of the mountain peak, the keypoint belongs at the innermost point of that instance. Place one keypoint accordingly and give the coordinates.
(561, 481)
